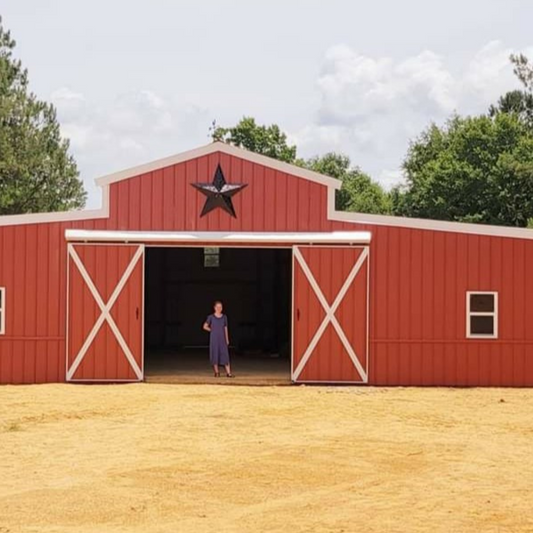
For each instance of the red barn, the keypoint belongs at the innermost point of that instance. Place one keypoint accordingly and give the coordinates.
(350, 298)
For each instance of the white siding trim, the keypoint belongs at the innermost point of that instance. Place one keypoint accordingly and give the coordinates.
(143, 310)
(469, 314)
(293, 312)
(67, 307)
(60, 216)
(332, 185)
(424, 224)
(224, 148)
(219, 237)
(3, 311)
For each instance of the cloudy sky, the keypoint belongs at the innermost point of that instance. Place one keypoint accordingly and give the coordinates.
(137, 80)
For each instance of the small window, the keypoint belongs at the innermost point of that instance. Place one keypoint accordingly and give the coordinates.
(211, 257)
(482, 315)
(2, 310)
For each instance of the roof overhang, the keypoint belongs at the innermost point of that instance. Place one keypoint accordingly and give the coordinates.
(214, 147)
(218, 237)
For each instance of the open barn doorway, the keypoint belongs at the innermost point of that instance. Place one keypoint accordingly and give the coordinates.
(255, 286)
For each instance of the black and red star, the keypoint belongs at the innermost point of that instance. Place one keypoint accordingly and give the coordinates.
(219, 193)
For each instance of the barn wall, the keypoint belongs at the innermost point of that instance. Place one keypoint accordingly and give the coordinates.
(418, 328)
(273, 201)
(418, 281)
(33, 270)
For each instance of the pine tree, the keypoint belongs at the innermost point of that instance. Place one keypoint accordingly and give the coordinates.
(37, 173)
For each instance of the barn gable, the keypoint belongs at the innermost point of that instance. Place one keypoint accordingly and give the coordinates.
(279, 197)
(161, 195)
(223, 148)
(270, 195)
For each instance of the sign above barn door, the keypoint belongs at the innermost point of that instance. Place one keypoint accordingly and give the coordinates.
(219, 193)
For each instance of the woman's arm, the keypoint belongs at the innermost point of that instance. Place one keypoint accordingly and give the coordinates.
(227, 335)
(206, 326)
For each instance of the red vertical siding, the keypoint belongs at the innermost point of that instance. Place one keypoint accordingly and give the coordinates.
(419, 278)
(330, 268)
(423, 285)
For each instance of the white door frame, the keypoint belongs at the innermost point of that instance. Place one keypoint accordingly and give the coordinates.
(330, 318)
(105, 311)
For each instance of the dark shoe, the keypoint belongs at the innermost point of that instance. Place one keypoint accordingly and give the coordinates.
(230, 375)
(217, 374)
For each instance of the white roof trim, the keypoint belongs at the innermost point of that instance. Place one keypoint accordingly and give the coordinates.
(331, 183)
(219, 237)
(425, 224)
(225, 149)
(59, 216)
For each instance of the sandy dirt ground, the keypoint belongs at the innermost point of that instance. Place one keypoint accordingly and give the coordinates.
(195, 458)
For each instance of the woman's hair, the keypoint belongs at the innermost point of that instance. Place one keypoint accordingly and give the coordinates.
(217, 302)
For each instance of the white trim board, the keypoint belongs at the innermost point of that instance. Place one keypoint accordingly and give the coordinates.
(216, 147)
(332, 185)
(424, 224)
(2, 310)
(221, 147)
(335, 237)
(493, 314)
(60, 216)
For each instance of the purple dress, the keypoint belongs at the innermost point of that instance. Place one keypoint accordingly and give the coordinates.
(218, 348)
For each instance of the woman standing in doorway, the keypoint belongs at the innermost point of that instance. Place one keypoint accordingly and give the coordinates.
(217, 326)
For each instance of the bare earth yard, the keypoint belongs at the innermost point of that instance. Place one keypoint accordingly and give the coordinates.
(195, 458)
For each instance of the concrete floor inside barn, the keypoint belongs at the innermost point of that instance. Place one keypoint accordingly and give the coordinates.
(192, 366)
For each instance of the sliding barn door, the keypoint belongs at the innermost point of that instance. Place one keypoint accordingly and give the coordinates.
(330, 314)
(105, 312)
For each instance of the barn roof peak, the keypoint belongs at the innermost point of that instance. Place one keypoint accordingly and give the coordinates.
(218, 146)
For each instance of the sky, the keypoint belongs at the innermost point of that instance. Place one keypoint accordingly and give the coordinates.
(136, 80)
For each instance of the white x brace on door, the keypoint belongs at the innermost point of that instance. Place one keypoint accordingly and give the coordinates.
(105, 308)
(330, 298)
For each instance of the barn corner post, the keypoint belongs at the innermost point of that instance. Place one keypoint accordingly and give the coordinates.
(67, 307)
(143, 310)
(293, 313)
(369, 296)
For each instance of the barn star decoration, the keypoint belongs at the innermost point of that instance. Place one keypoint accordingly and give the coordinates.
(219, 193)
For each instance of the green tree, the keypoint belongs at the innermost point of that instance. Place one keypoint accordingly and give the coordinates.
(475, 169)
(264, 140)
(358, 192)
(523, 70)
(36, 171)
(519, 102)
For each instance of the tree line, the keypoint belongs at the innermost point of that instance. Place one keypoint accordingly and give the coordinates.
(37, 173)
(471, 169)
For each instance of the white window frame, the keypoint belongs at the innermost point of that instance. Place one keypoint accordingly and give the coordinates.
(3, 311)
(469, 314)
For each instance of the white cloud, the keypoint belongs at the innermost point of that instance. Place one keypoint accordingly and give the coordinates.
(134, 128)
(390, 178)
(371, 107)
(368, 107)
(488, 74)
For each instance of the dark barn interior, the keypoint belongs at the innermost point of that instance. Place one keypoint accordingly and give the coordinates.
(180, 286)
